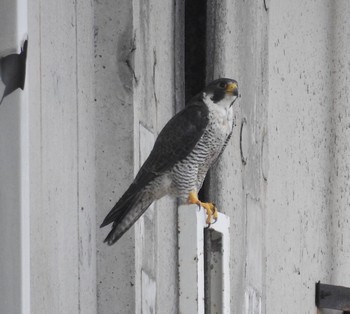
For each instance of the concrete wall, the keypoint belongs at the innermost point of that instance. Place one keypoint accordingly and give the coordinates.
(275, 176)
(135, 85)
(101, 83)
(283, 179)
(308, 136)
(62, 157)
(239, 50)
(156, 240)
(12, 174)
(113, 41)
(134, 72)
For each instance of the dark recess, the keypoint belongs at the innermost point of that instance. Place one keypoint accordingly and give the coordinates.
(195, 47)
(195, 81)
(196, 60)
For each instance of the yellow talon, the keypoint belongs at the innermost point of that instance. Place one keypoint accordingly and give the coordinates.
(210, 208)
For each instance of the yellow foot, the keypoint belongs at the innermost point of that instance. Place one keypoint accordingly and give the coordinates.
(210, 208)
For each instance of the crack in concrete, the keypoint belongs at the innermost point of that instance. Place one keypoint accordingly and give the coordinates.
(128, 59)
(154, 83)
(265, 6)
(154, 77)
(243, 158)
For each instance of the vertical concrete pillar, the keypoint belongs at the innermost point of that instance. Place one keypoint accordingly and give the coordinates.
(154, 101)
(61, 156)
(14, 207)
(86, 159)
(135, 96)
(303, 119)
(114, 80)
(237, 48)
(340, 119)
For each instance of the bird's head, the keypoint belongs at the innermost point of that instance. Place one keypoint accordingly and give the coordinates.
(222, 90)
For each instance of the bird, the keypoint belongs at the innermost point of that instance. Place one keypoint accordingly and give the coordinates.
(13, 70)
(183, 152)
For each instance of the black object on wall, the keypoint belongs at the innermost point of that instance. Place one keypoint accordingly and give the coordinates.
(13, 70)
(332, 297)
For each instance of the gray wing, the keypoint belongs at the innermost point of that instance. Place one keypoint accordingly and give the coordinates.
(175, 142)
(177, 139)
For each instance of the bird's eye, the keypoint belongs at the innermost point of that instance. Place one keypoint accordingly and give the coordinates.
(222, 85)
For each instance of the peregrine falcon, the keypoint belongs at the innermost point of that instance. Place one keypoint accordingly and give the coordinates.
(183, 152)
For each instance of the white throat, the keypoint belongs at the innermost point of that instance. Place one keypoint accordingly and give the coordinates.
(223, 110)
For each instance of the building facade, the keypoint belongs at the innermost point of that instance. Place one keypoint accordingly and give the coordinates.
(103, 78)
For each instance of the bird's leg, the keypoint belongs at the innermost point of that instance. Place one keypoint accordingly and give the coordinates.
(210, 208)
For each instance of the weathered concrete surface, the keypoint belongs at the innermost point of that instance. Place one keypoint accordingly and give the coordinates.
(340, 143)
(154, 106)
(135, 97)
(54, 231)
(240, 51)
(151, 64)
(307, 219)
(288, 181)
(10, 173)
(114, 149)
(284, 184)
(61, 154)
(87, 290)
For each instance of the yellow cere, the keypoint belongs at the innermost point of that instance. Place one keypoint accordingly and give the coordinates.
(231, 87)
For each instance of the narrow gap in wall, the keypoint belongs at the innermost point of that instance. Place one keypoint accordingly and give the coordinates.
(195, 80)
(195, 58)
(207, 277)
(195, 47)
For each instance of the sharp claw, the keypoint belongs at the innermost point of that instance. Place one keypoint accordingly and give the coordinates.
(210, 208)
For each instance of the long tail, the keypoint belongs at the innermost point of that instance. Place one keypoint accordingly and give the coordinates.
(125, 213)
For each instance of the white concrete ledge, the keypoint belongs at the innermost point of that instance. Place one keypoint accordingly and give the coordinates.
(192, 222)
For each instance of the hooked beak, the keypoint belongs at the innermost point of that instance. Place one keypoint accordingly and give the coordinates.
(232, 88)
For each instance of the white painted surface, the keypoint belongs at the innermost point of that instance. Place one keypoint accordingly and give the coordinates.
(149, 292)
(192, 222)
(253, 299)
(191, 259)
